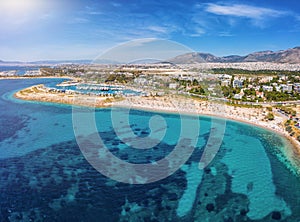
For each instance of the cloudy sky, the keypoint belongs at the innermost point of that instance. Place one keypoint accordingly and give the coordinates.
(83, 29)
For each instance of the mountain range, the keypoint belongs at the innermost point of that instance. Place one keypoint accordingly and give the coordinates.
(291, 56)
(283, 56)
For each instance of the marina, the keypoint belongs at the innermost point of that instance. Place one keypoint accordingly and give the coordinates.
(93, 89)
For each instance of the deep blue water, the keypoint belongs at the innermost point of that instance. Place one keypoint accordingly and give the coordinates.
(44, 176)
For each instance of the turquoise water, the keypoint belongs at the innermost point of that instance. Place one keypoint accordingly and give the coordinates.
(95, 89)
(45, 177)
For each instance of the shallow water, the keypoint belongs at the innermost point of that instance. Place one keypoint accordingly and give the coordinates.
(45, 177)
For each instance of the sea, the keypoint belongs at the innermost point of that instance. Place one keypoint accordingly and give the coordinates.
(20, 70)
(63, 163)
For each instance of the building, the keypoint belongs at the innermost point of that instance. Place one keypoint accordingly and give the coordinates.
(267, 88)
(225, 77)
(225, 83)
(290, 88)
(237, 83)
(259, 94)
(238, 96)
(141, 81)
(286, 87)
(297, 87)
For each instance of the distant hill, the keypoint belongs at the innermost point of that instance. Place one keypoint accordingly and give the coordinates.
(283, 56)
(194, 57)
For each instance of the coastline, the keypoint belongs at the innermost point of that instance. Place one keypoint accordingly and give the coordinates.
(226, 112)
(173, 104)
(166, 104)
(289, 142)
(39, 93)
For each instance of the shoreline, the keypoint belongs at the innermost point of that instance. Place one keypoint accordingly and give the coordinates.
(39, 93)
(200, 114)
(289, 142)
(41, 96)
(274, 125)
(166, 104)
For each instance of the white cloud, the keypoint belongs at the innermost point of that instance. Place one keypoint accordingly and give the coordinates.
(158, 29)
(246, 11)
(198, 32)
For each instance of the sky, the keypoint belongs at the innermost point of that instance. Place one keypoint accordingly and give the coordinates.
(32, 30)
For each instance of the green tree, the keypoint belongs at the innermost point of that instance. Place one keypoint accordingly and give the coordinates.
(270, 116)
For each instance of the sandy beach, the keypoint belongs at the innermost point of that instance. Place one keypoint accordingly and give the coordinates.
(167, 103)
(40, 93)
(254, 116)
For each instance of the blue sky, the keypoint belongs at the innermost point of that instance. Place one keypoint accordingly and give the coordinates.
(78, 29)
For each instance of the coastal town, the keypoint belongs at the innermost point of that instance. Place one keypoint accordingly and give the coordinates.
(267, 95)
(149, 111)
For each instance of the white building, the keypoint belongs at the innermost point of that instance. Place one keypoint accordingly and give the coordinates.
(225, 77)
(267, 88)
(290, 88)
(237, 83)
(238, 96)
(140, 81)
(286, 88)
